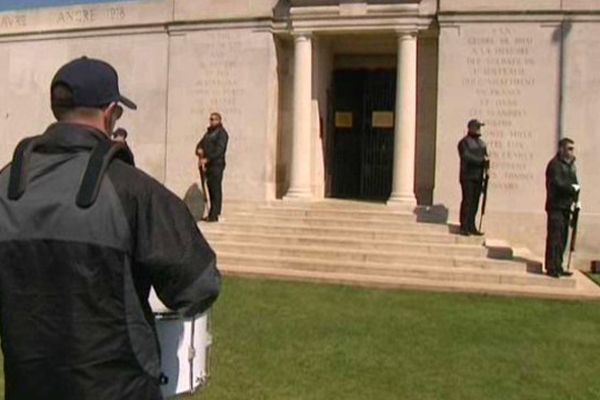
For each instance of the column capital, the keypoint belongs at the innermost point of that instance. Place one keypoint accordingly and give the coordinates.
(407, 34)
(302, 35)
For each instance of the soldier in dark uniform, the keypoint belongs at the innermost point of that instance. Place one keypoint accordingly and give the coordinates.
(214, 146)
(562, 189)
(473, 161)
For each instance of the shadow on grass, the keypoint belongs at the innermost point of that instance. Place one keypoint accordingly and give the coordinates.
(595, 277)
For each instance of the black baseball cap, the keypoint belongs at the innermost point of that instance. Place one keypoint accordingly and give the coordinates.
(475, 123)
(94, 83)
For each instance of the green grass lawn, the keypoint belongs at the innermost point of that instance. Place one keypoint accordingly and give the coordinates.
(595, 278)
(302, 341)
(280, 341)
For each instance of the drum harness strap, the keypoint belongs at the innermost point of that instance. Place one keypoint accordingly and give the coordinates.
(101, 156)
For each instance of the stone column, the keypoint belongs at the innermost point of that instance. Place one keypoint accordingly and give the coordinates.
(300, 180)
(403, 193)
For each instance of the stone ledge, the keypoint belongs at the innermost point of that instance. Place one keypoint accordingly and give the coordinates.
(358, 280)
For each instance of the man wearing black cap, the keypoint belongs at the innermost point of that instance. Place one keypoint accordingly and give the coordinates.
(473, 163)
(562, 190)
(83, 237)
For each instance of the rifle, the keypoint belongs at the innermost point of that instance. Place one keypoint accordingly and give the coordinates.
(205, 195)
(203, 183)
(574, 224)
(484, 191)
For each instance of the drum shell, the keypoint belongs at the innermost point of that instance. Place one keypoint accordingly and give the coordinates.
(185, 345)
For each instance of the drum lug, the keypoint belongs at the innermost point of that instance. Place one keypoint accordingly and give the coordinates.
(191, 353)
(163, 379)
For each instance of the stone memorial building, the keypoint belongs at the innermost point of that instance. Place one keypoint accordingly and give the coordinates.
(350, 99)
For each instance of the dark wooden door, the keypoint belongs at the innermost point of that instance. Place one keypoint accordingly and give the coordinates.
(361, 155)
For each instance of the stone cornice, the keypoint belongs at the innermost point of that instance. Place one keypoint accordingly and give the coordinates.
(344, 25)
(357, 10)
(518, 6)
(549, 18)
(73, 34)
(452, 19)
(355, 17)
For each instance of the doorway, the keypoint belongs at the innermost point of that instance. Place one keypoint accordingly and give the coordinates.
(361, 151)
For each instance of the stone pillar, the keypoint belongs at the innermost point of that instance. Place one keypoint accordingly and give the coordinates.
(403, 193)
(300, 176)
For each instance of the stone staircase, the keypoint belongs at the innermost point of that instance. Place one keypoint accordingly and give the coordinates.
(371, 245)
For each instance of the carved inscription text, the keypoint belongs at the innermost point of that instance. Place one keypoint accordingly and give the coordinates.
(501, 72)
(219, 87)
(91, 15)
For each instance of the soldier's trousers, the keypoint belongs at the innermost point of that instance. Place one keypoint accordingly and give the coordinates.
(471, 192)
(557, 233)
(214, 181)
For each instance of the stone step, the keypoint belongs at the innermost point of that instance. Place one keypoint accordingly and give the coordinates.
(230, 207)
(413, 271)
(334, 204)
(410, 233)
(472, 250)
(372, 245)
(358, 214)
(387, 282)
(342, 255)
(388, 223)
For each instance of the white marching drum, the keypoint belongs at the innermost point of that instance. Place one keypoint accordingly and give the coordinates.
(185, 347)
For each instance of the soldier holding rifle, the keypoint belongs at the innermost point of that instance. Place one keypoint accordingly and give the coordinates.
(211, 153)
(474, 164)
(562, 189)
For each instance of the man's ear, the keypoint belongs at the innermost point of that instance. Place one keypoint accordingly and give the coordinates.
(114, 109)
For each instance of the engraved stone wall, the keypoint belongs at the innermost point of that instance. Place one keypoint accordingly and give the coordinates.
(231, 72)
(25, 99)
(507, 76)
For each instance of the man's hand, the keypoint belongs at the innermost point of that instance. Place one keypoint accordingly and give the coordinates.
(486, 163)
(578, 205)
(576, 187)
(203, 163)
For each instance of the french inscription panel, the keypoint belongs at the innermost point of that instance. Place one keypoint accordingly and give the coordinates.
(581, 107)
(226, 71)
(509, 80)
(219, 86)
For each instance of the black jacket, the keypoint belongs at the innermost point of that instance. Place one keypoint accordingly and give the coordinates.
(560, 178)
(472, 151)
(214, 144)
(75, 275)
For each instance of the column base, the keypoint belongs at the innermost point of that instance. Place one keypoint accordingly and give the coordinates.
(402, 202)
(298, 195)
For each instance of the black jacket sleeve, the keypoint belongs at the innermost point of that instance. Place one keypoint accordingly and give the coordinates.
(219, 146)
(558, 181)
(181, 264)
(470, 156)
